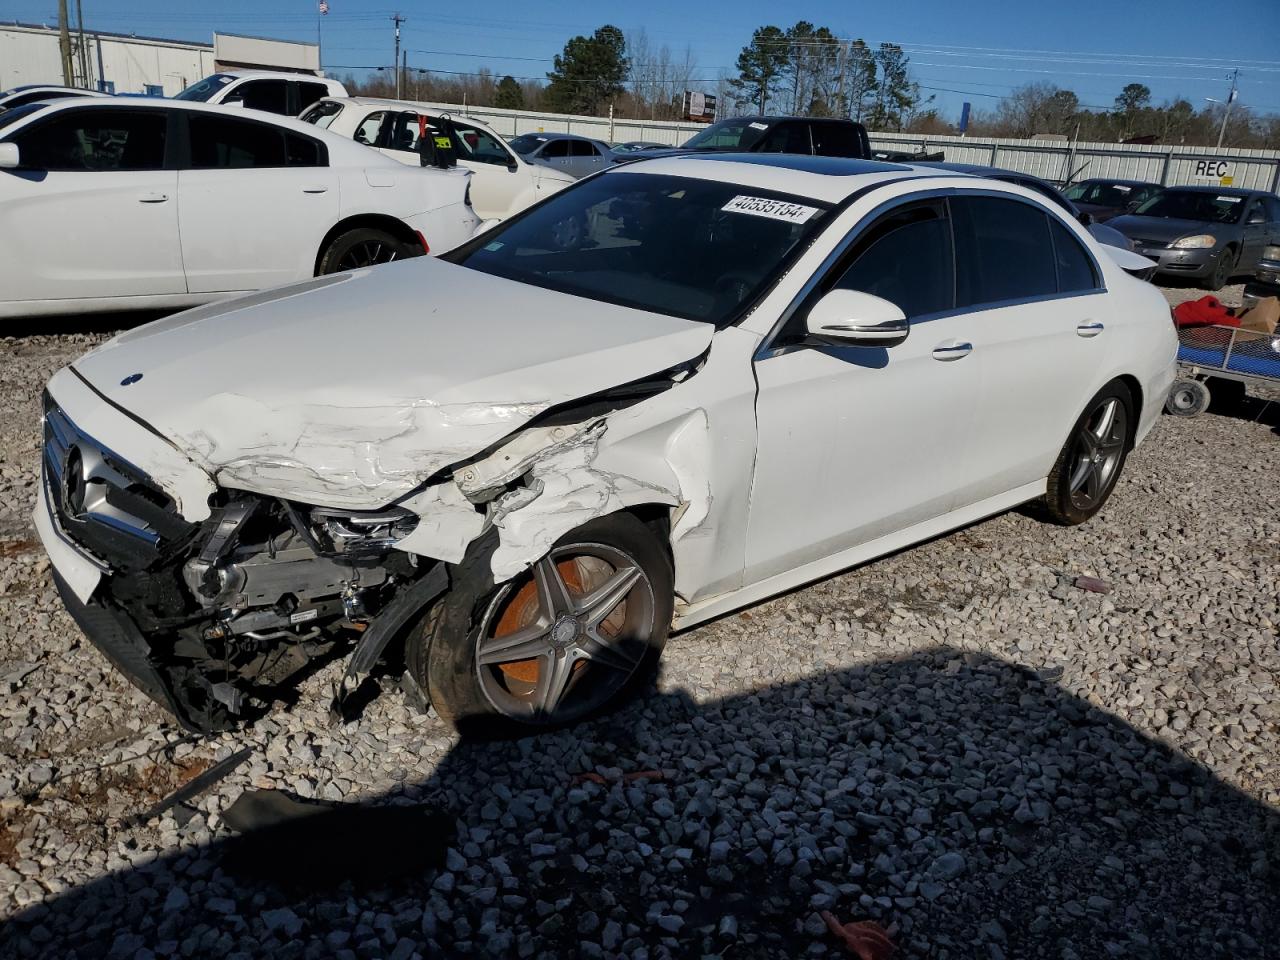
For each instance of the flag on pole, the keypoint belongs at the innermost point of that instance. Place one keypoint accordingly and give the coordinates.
(324, 7)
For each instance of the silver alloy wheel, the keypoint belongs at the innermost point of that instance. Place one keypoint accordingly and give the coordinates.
(1098, 452)
(368, 253)
(564, 639)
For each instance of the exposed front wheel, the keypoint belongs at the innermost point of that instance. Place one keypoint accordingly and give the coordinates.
(1090, 463)
(363, 247)
(568, 638)
(1223, 270)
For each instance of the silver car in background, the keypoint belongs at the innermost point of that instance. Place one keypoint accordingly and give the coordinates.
(577, 156)
(1208, 234)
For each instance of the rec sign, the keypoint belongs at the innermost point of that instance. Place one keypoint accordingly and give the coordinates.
(1219, 171)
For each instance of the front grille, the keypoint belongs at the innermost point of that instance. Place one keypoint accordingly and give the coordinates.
(102, 501)
(1150, 244)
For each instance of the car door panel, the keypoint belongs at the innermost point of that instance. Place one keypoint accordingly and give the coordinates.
(856, 442)
(496, 179)
(93, 208)
(1255, 236)
(248, 220)
(1039, 330)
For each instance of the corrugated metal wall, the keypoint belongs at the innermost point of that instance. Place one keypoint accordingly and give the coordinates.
(1052, 160)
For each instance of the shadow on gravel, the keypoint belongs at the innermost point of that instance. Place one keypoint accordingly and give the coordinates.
(1230, 398)
(971, 806)
(71, 323)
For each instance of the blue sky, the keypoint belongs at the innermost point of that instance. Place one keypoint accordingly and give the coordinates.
(981, 48)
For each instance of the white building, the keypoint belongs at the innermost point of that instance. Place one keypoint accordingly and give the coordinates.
(124, 63)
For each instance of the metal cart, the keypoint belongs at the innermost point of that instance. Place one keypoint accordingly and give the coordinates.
(1227, 353)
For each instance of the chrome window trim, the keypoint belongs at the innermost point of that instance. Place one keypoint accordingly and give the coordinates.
(766, 348)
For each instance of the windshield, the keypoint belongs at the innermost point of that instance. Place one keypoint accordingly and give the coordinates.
(321, 114)
(1103, 194)
(14, 114)
(739, 134)
(1193, 205)
(206, 88)
(696, 249)
(526, 143)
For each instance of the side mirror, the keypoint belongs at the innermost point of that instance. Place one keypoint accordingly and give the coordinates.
(1257, 216)
(513, 167)
(238, 103)
(850, 318)
(1085, 218)
(9, 159)
(1132, 205)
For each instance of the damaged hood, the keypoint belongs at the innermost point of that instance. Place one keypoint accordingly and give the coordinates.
(352, 389)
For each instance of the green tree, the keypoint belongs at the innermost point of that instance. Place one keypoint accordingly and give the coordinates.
(509, 96)
(589, 73)
(760, 66)
(896, 95)
(861, 84)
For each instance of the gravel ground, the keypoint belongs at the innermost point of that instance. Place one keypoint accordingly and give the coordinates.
(955, 742)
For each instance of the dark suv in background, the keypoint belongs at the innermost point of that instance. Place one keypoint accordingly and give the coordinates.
(804, 135)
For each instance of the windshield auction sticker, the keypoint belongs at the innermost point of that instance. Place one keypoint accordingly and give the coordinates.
(773, 209)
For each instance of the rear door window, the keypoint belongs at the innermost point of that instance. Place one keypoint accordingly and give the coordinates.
(369, 129)
(101, 140)
(309, 93)
(787, 138)
(269, 95)
(583, 148)
(1003, 251)
(1076, 272)
(231, 143)
(834, 139)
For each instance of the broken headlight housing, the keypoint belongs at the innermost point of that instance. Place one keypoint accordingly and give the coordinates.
(360, 533)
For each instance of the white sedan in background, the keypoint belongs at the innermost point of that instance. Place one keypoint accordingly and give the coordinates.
(741, 374)
(503, 183)
(112, 205)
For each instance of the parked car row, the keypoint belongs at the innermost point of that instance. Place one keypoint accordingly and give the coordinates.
(108, 204)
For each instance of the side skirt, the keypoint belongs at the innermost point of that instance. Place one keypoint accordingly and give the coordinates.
(689, 615)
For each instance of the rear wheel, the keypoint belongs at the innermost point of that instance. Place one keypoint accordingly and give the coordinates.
(364, 247)
(567, 639)
(1090, 463)
(1187, 398)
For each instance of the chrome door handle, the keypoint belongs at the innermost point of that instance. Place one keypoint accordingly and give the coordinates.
(952, 350)
(1090, 328)
(315, 189)
(153, 198)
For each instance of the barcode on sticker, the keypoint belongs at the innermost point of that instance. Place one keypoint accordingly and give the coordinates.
(773, 209)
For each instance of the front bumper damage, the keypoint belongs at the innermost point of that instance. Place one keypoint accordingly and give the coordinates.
(213, 606)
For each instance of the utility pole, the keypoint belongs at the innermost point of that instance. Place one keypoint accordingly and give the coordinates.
(83, 49)
(64, 45)
(1231, 98)
(397, 20)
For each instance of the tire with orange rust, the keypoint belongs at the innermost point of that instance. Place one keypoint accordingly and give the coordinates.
(571, 637)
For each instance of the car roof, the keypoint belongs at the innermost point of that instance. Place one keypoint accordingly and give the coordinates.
(980, 170)
(825, 179)
(437, 109)
(1117, 180)
(274, 74)
(553, 135)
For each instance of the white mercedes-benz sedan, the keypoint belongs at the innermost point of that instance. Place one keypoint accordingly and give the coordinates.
(109, 204)
(664, 393)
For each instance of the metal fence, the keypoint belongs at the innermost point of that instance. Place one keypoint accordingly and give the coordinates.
(1051, 160)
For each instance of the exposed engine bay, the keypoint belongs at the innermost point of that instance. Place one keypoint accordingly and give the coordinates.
(219, 617)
